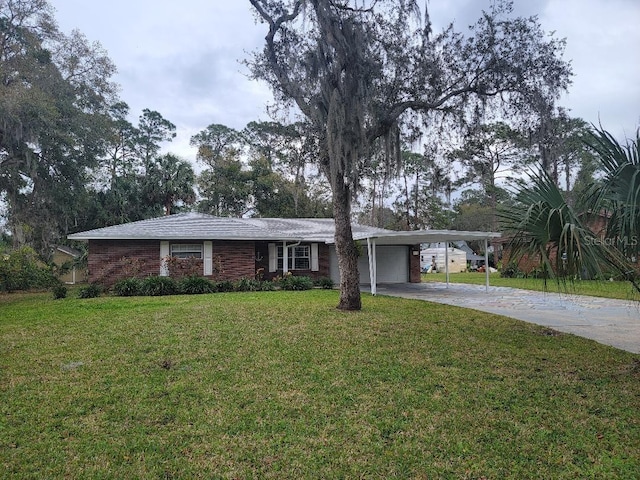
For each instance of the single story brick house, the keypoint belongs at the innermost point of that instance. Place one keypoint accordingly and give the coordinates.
(234, 248)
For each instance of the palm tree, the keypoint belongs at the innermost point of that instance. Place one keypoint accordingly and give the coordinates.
(542, 224)
(170, 180)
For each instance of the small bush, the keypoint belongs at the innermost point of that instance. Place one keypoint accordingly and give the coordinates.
(292, 282)
(267, 286)
(194, 285)
(246, 285)
(156, 286)
(224, 286)
(90, 291)
(510, 271)
(324, 282)
(59, 292)
(129, 287)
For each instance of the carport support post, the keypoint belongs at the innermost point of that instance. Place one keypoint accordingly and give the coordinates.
(486, 264)
(446, 262)
(373, 277)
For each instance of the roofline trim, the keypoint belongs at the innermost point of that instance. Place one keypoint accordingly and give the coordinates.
(184, 237)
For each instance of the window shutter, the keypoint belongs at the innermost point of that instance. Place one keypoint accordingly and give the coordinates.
(315, 266)
(164, 254)
(273, 257)
(208, 258)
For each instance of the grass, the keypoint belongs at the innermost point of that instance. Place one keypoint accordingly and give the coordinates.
(282, 385)
(621, 290)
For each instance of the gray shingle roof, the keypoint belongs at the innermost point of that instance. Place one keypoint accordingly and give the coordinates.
(184, 226)
(199, 226)
(312, 229)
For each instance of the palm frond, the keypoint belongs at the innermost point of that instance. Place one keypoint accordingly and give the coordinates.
(619, 193)
(542, 224)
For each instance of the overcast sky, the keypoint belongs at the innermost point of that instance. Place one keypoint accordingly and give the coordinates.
(183, 59)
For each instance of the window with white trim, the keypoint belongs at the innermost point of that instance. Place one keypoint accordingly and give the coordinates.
(299, 257)
(186, 250)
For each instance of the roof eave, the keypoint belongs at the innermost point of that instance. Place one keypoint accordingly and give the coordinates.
(185, 238)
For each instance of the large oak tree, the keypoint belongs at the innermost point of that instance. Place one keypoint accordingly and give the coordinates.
(54, 93)
(359, 71)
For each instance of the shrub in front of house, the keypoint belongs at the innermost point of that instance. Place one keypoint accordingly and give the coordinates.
(224, 286)
(180, 268)
(246, 285)
(293, 282)
(90, 291)
(267, 286)
(156, 286)
(129, 287)
(323, 282)
(194, 285)
(59, 292)
(510, 271)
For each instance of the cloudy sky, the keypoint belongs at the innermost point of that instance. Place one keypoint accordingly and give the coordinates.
(183, 59)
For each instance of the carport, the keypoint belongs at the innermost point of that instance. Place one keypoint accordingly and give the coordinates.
(390, 238)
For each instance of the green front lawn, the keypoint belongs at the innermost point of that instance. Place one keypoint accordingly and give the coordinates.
(622, 290)
(282, 385)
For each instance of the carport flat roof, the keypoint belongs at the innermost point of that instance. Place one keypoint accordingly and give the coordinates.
(426, 236)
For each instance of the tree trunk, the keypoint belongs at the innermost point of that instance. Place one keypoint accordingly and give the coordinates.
(346, 249)
(416, 198)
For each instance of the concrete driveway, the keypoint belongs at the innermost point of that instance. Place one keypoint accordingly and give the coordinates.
(608, 321)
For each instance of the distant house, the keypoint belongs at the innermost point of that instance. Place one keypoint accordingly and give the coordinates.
(471, 258)
(234, 248)
(66, 257)
(455, 258)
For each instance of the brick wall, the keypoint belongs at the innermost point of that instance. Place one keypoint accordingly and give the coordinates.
(235, 259)
(526, 263)
(414, 264)
(113, 260)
